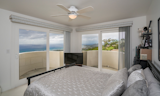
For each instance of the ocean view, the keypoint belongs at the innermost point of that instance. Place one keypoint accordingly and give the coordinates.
(30, 41)
(31, 47)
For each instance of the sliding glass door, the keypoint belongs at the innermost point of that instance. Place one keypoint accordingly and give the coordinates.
(35, 50)
(32, 52)
(110, 50)
(56, 54)
(103, 49)
(90, 49)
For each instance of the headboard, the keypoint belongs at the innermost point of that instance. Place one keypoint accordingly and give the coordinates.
(154, 69)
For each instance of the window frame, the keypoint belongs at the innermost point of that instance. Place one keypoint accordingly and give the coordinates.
(99, 32)
(99, 44)
(15, 81)
(114, 30)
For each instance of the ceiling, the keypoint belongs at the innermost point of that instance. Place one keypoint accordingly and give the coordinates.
(104, 10)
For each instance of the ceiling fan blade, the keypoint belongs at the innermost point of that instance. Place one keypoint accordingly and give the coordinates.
(63, 7)
(89, 8)
(83, 16)
(59, 15)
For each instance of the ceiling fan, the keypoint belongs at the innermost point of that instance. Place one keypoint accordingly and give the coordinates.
(73, 12)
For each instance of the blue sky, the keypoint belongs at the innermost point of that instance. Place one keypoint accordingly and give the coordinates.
(93, 38)
(37, 37)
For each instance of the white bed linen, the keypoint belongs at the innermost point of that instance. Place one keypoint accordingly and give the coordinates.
(72, 81)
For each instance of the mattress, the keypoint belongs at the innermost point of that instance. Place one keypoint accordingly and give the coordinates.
(72, 81)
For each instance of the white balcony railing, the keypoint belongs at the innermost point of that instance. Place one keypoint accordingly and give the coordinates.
(29, 61)
(109, 58)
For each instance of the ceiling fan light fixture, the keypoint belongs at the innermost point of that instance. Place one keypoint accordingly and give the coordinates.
(72, 16)
(73, 12)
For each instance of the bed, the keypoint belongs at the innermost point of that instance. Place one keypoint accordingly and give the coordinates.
(80, 81)
(72, 81)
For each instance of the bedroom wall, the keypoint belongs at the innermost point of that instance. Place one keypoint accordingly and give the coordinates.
(138, 22)
(153, 14)
(5, 46)
(74, 41)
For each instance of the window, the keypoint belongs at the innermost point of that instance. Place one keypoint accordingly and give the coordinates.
(90, 49)
(32, 52)
(100, 49)
(56, 50)
(110, 50)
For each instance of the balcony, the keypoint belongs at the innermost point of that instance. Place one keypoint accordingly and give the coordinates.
(109, 59)
(31, 63)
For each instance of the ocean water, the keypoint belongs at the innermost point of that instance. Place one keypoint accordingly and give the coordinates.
(89, 45)
(31, 48)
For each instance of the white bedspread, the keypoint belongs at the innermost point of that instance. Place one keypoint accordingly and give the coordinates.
(72, 81)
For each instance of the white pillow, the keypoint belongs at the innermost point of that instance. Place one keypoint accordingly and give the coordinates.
(134, 68)
(139, 88)
(149, 76)
(120, 75)
(154, 89)
(115, 88)
(135, 76)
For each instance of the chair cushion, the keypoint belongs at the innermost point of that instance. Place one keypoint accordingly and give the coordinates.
(135, 76)
(139, 88)
(115, 88)
(133, 68)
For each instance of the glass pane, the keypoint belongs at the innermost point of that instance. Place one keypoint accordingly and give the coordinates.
(32, 52)
(90, 50)
(110, 51)
(121, 50)
(56, 55)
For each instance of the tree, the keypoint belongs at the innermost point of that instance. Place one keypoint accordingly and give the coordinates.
(110, 48)
(110, 44)
(106, 42)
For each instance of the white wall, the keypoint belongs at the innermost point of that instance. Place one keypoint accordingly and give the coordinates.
(153, 14)
(6, 48)
(138, 22)
(74, 41)
(5, 43)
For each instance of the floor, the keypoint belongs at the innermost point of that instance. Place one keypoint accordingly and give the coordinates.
(33, 72)
(109, 68)
(19, 91)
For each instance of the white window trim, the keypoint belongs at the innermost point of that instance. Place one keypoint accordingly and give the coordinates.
(99, 32)
(99, 45)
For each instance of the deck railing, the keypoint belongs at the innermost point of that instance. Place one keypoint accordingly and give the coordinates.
(33, 60)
